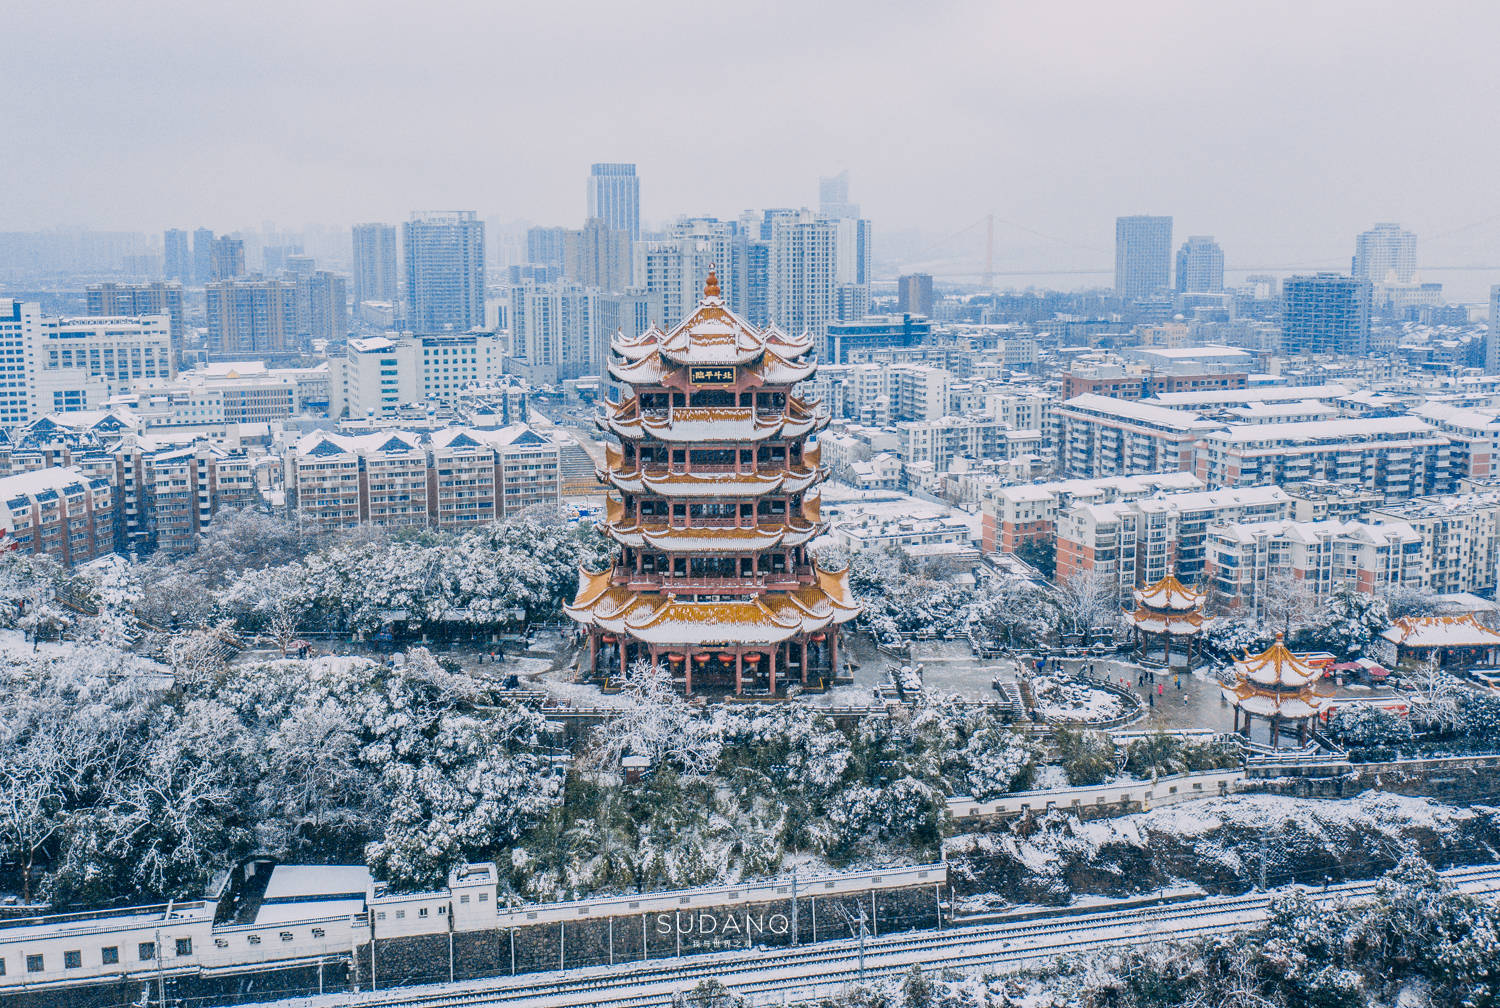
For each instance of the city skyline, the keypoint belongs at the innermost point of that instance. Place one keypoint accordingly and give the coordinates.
(1250, 171)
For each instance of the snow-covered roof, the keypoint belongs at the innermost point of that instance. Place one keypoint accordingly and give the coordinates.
(1441, 631)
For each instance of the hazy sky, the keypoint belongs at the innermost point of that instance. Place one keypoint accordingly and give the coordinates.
(1281, 128)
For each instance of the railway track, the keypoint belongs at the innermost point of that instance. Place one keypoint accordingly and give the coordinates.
(809, 971)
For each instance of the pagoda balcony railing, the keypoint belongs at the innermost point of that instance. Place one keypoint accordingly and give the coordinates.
(775, 581)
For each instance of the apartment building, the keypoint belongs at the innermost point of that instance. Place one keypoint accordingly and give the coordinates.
(938, 442)
(169, 491)
(1474, 436)
(1458, 535)
(452, 479)
(1013, 515)
(1099, 436)
(62, 513)
(1140, 541)
(1243, 557)
(1399, 457)
(1138, 382)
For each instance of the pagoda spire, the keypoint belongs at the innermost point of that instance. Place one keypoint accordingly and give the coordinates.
(711, 285)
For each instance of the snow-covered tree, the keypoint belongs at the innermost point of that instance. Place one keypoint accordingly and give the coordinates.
(1285, 603)
(1013, 611)
(1348, 620)
(1088, 600)
(658, 724)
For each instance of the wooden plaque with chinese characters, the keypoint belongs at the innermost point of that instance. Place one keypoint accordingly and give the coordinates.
(701, 375)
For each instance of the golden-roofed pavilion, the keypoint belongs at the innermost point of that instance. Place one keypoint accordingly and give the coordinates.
(1278, 687)
(1169, 611)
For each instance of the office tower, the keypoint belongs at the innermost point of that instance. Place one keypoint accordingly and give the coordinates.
(833, 197)
(552, 326)
(1492, 339)
(375, 263)
(914, 294)
(1325, 313)
(203, 256)
(322, 305)
(615, 197)
(177, 259)
(1143, 256)
(1385, 253)
(1200, 266)
(628, 314)
(803, 274)
(251, 317)
(597, 256)
(546, 246)
(134, 300)
(444, 272)
(227, 260)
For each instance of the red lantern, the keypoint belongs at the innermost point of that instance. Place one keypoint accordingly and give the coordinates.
(676, 657)
(608, 638)
(753, 659)
(725, 656)
(700, 658)
(818, 636)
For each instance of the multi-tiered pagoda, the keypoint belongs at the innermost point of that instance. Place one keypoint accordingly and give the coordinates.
(713, 499)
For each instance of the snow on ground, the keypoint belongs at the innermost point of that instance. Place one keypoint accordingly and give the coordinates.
(1069, 700)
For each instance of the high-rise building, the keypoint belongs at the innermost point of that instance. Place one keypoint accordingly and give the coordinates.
(1143, 256)
(674, 270)
(1385, 252)
(546, 246)
(833, 197)
(803, 273)
(914, 294)
(553, 328)
(375, 263)
(1325, 313)
(322, 305)
(444, 272)
(177, 259)
(227, 260)
(251, 317)
(1200, 266)
(203, 256)
(852, 261)
(615, 197)
(138, 299)
(17, 323)
(753, 298)
(597, 256)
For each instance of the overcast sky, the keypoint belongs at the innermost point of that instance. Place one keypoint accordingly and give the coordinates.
(1281, 128)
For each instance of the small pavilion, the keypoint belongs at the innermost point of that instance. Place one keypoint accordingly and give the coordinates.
(1168, 611)
(1458, 643)
(1278, 687)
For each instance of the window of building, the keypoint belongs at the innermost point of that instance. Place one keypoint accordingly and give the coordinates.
(146, 951)
(73, 959)
(184, 946)
(34, 964)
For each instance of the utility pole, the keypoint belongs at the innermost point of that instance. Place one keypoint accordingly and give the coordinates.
(794, 906)
(862, 933)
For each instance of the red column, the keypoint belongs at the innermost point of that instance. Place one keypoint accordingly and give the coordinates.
(771, 671)
(622, 656)
(687, 674)
(593, 652)
(739, 673)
